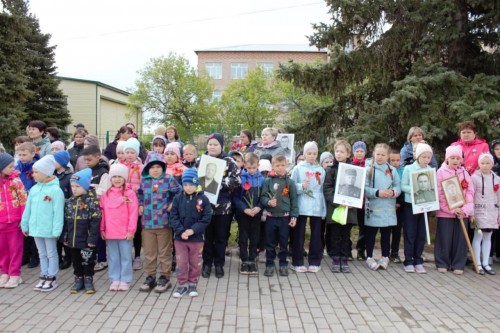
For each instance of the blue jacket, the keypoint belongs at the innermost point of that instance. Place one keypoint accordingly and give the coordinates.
(407, 156)
(26, 172)
(243, 197)
(190, 212)
(380, 212)
(311, 200)
(405, 181)
(44, 213)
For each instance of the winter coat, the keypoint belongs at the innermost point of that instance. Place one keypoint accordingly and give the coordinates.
(407, 156)
(82, 220)
(486, 200)
(74, 153)
(134, 173)
(496, 160)
(42, 147)
(13, 199)
(120, 212)
(189, 165)
(380, 212)
(446, 172)
(26, 172)
(284, 190)
(249, 192)
(190, 212)
(44, 212)
(405, 182)
(273, 149)
(329, 193)
(64, 181)
(100, 177)
(110, 151)
(471, 151)
(311, 200)
(155, 195)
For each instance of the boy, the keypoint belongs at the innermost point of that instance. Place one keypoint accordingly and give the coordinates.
(156, 194)
(82, 220)
(279, 196)
(36, 132)
(238, 157)
(395, 161)
(189, 155)
(248, 211)
(190, 215)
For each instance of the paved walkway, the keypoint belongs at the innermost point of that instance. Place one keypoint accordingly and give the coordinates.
(363, 301)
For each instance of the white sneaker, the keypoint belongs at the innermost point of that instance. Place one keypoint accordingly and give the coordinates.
(314, 269)
(49, 285)
(4, 278)
(262, 256)
(383, 262)
(372, 264)
(14, 281)
(40, 283)
(298, 269)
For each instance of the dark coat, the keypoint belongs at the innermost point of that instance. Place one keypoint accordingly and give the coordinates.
(74, 153)
(64, 181)
(329, 192)
(190, 212)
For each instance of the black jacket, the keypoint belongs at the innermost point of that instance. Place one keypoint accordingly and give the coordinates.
(74, 153)
(190, 212)
(64, 181)
(100, 169)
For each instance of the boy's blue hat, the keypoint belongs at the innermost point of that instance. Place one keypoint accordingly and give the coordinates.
(190, 176)
(152, 159)
(62, 157)
(5, 160)
(82, 178)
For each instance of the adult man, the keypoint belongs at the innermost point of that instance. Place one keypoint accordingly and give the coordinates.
(348, 188)
(285, 142)
(208, 183)
(425, 193)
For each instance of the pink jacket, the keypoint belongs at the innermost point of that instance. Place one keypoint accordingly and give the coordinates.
(134, 173)
(471, 151)
(13, 199)
(446, 172)
(175, 169)
(120, 212)
(486, 199)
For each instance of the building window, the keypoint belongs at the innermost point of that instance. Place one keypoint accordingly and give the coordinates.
(267, 67)
(216, 96)
(214, 70)
(239, 70)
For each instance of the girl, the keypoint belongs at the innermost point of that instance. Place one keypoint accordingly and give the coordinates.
(486, 210)
(450, 251)
(43, 219)
(495, 151)
(159, 144)
(173, 160)
(414, 224)
(12, 202)
(120, 154)
(359, 159)
(381, 190)
(309, 178)
(119, 207)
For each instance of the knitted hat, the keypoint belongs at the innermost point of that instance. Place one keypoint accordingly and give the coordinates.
(422, 148)
(5, 160)
(92, 140)
(486, 156)
(325, 155)
(452, 151)
(311, 145)
(161, 137)
(132, 143)
(174, 147)
(217, 136)
(45, 165)
(359, 145)
(61, 157)
(118, 169)
(82, 178)
(190, 176)
(120, 146)
(152, 159)
(265, 165)
(235, 152)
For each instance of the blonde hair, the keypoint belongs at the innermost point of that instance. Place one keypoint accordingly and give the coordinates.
(279, 159)
(344, 143)
(382, 146)
(414, 130)
(190, 147)
(26, 146)
(251, 158)
(160, 130)
(273, 131)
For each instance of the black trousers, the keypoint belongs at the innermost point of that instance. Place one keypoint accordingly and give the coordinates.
(138, 238)
(360, 244)
(396, 230)
(248, 236)
(339, 240)
(385, 240)
(214, 248)
(83, 261)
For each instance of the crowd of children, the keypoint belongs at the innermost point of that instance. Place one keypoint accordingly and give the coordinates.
(106, 212)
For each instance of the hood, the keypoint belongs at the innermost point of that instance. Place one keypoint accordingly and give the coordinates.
(407, 148)
(256, 179)
(45, 140)
(53, 182)
(474, 142)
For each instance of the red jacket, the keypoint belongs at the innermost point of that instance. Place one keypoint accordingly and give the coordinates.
(13, 199)
(471, 152)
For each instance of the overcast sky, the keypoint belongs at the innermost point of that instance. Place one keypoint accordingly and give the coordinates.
(110, 40)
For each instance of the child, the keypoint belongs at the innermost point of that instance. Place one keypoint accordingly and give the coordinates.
(495, 151)
(326, 160)
(172, 159)
(189, 155)
(450, 250)
(248, 213)
(190, 215)
(238, 158)
(119, 207)
(82, 220)
(486, 210)
(27, 157)
(359, 159)
(43, 219)
(338, 235)
(381, 190)
(156, 194)
(395, 161)
(279, 196)
(13, 200)
(159, 144)
(17, 141)
(414, 224)
(120, 154)
(36, 133)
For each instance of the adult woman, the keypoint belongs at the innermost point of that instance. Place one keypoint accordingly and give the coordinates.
(246, 144)
(472, 147)
(415, 135)
(124, 133)
(173, 136)
(77, 148)
(269, 145)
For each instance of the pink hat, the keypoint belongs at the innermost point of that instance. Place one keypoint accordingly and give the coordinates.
(487, 156)
(174, 147)
(452, 151)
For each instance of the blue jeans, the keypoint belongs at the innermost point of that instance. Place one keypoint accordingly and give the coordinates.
(120, 260)
(49, 260)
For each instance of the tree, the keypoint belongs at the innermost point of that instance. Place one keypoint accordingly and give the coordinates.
(426, 63)
(171, 92)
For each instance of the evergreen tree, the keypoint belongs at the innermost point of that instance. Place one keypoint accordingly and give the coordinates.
(428, 63)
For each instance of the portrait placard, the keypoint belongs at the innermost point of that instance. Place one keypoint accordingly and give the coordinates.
(210, 173)
(350, 185)
(287, 141)
(452, 190)
(424, 195)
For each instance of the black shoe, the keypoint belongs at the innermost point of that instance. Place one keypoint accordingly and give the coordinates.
(489, 270)
(336, 265)
(305, 253)
(283, 271)
(88, 282)
(244, 269)
(350, 257)
(25, 261)
(219, 272)
(77, 285)
(361, 255)
(207, 270)
(34, 262)
(269, 271)
(149, 284)
(344, 265)
(163, 284)
(65, 264)
(252, 268)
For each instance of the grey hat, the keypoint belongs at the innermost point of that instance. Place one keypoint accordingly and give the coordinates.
(5, 160)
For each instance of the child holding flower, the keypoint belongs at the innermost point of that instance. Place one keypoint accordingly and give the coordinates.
(248, 213)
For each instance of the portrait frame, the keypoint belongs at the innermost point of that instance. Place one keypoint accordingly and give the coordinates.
(347, 200)
(290, 155)
(431, 200)
(221, 166)
(452, 190)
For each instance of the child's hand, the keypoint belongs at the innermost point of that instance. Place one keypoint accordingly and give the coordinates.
(185, 235)
(141, 210)
(91, 245)
(103, 235)
(169, 208)
(459, 212)
(306, 182)
(256, 210)
(65, 243)
(129, 236)
(272, 203)
(249, 212)
(472, 219)
(385, 193)
(25, 233)
(293, 222)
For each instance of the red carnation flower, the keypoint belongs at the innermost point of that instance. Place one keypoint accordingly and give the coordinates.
(495, 187)
(246, 186)
(464, 184)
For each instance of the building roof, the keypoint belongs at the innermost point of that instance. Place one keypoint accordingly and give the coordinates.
(100, 84)
(265, 48)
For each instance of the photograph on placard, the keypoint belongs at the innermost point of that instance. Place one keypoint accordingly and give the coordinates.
(350, 185)
(452, 190)
(287, 141)
(210, 173)
(424, 196)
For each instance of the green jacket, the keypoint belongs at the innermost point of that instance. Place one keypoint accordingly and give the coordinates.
(283, 189)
